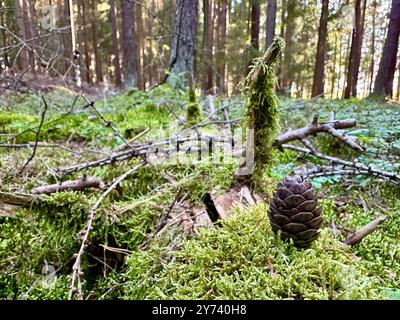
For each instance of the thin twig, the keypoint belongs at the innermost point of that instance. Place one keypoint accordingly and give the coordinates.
(37, 136)
(76, 283)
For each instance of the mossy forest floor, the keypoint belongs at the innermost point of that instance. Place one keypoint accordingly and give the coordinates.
(238, 258)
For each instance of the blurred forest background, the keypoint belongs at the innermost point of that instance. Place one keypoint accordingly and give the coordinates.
(333, 47)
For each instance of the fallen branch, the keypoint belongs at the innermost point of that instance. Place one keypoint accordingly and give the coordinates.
(18, 199)
(364, 231)
(76, 282)
(345, 163)
(314, 128)
(80, 184)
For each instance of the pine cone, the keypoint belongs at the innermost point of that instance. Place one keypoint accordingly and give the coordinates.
(293, 210)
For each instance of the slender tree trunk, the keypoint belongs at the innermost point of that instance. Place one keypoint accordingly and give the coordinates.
(384, 78)
(115, 42)
(319, 70)
(81, 40)
(222, 14)
(271, 17)
(97, 57)
(290, 25)
(130, 68)
(207, 55)
(372, 48)
(139, 47)
(255, 24)
(335, 54)
(182, 60)
(280, 71)
(88, 58)
(23, 57)
(355, 51)
(3, 34)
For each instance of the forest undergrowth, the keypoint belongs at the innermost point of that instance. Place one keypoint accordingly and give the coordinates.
(237, 258)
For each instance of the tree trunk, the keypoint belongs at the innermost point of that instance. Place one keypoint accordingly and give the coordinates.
(221, 66)
(271, 17)
(3, 34)
(97, 57)
(182, 60)
(115, 42)
(355, 51)
(139, 47)
(130, 68)
(23, 57)
(387, 65)
(255, 25)
(88, 59)
(207, 52)
(319, 70)
(372, 48)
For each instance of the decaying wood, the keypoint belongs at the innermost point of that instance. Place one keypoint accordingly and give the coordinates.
(18, 199)
(88, 182)
(315, 127)
(364, 231)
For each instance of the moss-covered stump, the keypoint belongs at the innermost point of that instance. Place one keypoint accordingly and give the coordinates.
(245, 260)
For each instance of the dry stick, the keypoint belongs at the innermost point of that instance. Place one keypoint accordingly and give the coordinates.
(88, 182)
(315, 128)
(37, 137)
(124, 146)
(364, 231)
(355, 165)
(76, 283)
(18, 199)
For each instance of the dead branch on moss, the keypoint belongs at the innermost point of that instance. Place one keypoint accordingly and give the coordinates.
(18, 199)
(355, 165)
(364, 231)
(76, 283)
(87, 182)
(331, 127)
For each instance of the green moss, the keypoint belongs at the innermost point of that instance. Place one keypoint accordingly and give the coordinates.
(231, 262)
(262, 108)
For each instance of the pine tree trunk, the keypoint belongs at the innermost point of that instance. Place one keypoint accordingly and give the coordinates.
(355, 51)
(182, 60)
(23, 57)
(384, 79)
(81, 40)
(115, 42)
(255, 25)
(290, 25)
(207, 52)
(221, 46)
(4, 35)
(319, 70)
(97, 57)
(139, 47)
(271, 17)
(372, 48)
(130, 68)
(85, 21)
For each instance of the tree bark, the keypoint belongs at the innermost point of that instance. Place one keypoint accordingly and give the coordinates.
(23, 57)
(182, 60)
(207, 52)
(130, 68)
(271, 17)
(115, 41)
(97, 57)
(355, 51)
(86, 13)
(384, 79)
(139, 47)
(221, 46)
(372, 48)
(319, 70)
(255, 24)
